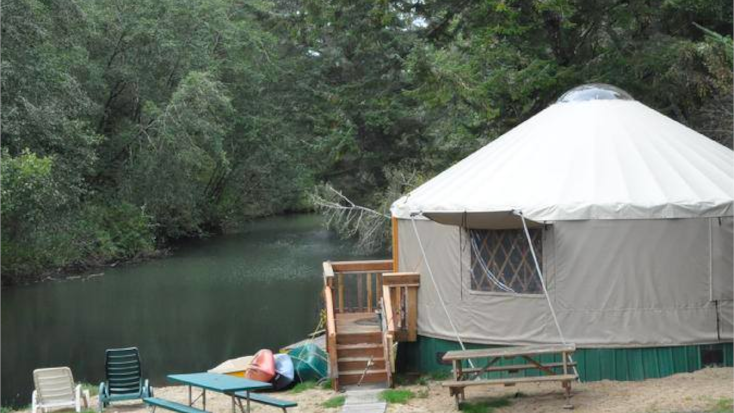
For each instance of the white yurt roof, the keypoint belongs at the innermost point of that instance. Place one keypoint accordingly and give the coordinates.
(595, 154)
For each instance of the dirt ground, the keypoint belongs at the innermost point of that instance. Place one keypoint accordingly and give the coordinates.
(687, 392)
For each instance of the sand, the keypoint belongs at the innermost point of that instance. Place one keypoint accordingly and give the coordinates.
(687, 392)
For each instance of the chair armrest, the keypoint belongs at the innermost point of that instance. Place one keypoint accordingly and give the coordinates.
(78, 397)
(101, 397)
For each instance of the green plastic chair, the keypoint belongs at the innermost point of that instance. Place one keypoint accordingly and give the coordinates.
(124, 378)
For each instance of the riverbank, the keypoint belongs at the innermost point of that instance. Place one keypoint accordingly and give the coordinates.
(81, 271)
(92, 266)
(707, 390)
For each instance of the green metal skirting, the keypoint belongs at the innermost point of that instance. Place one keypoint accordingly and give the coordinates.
(423, 356)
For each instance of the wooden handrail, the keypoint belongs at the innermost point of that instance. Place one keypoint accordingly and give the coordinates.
(403, 279)
(387, 340)
(331, 335)
(330, 322)
(361, 266)
(389, 313)
(398, 289)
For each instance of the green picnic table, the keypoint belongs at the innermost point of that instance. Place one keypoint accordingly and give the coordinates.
(221, 383)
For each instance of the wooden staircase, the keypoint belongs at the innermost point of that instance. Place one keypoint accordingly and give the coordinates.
(359, 349)
(365, 314)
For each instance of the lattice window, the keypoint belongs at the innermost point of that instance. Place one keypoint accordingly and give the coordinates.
(505, 255)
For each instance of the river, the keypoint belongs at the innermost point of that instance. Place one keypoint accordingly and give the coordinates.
(209, 301)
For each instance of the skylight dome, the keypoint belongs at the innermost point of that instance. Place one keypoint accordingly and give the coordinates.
(594, 91)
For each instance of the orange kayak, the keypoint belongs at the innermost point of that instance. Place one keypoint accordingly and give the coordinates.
(262, 367)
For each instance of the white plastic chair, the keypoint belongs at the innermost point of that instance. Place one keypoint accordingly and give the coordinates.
(55, 388)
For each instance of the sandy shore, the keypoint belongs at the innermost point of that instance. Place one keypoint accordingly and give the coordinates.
(688, 392)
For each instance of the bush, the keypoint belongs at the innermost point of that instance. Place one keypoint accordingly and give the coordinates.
(96, 234)
(121, 231)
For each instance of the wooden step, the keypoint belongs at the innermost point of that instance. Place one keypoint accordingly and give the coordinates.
(357, 338)
(359, 350)
(359, 363)
(353, 376)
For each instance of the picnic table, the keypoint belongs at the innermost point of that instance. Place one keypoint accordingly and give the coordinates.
(465, 377)
(221, 383)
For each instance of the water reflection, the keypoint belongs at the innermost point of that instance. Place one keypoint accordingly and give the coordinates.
(212, 300)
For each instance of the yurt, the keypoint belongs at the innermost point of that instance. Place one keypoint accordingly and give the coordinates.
(599, 222)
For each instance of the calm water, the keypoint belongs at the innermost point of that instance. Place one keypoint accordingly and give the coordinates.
(212, 300)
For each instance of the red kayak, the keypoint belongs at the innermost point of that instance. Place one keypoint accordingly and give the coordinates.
(262, 367)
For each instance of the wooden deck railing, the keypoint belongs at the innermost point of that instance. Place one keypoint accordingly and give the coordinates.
(331, 336)
(356, 285)
(401, 305)
(365, 286)
(387, 340)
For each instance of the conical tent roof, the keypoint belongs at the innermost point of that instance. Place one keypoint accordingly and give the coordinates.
(589, 156)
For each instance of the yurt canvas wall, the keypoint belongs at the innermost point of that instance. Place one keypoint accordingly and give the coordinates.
(642, 285)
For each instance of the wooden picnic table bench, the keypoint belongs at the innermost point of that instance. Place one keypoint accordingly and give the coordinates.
(466, 377)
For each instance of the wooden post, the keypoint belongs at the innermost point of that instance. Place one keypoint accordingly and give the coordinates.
(341, 292)
(379, 286)
(358, 278)
(328, 274)
(394, 244)
(331, 336)
(412, 310)
(395, 301)
(369, 292)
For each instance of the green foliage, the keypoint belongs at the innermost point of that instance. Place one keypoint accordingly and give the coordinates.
(91, 388)
(129, 125)
(184, 150)
(485, 406)
(395, 396)
(326, 384)
(722, 405)
(29, 190)
(304, 386)
(334, 402)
